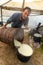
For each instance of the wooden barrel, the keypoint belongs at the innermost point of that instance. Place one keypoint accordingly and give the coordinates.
(9, 34)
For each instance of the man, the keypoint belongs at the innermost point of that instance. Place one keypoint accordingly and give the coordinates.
(19, 19)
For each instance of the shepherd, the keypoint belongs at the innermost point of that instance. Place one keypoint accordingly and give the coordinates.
(19, 19)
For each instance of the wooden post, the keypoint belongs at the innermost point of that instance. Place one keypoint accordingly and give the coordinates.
(1, 15)
(23, 4)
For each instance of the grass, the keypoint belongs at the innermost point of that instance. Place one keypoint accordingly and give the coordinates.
(40, 49)
(42, 39)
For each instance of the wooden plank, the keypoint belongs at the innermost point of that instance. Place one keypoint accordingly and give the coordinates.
(11, 8)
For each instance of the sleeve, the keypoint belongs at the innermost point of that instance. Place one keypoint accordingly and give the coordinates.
(12, 18)
(26, 22)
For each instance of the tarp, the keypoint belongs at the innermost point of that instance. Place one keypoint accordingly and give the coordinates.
(3, 2)
(35, 5)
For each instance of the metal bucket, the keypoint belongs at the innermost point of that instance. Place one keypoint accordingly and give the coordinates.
(24, 52)
(37, 37)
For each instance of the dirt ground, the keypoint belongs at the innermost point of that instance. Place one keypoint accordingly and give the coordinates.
(8, 55)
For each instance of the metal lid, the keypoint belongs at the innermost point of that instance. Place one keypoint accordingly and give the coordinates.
(37, 35)
(25, 50)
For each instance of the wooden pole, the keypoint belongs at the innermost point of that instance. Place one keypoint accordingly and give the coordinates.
(23, 4)
(1, 15)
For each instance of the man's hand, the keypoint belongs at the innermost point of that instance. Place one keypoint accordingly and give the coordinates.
(26, 27)
(4, 27)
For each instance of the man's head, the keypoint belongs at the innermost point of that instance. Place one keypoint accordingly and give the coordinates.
(26, 12)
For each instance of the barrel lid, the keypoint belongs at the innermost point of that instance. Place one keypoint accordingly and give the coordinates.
(37, 35)
(17, 44)
(25, 50)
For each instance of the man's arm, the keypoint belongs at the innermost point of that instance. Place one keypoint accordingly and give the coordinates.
(4, 26)
(26, 24)
(11, 19)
